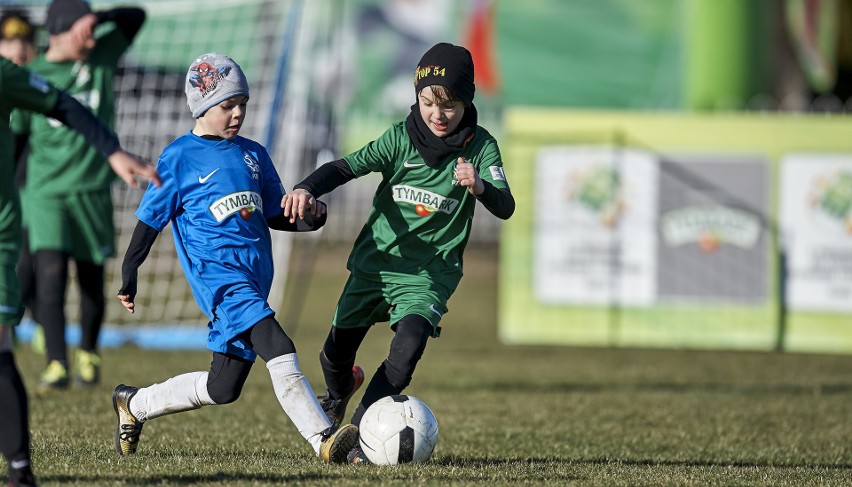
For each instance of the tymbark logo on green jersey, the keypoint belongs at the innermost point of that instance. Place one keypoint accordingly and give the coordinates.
(431, 202)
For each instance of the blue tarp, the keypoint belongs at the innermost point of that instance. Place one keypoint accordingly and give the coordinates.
(169, 337)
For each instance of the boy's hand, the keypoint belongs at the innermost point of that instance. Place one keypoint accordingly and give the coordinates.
(127, 167)
(82, 32)
(467, 176)
(127, 302)
(298, 201)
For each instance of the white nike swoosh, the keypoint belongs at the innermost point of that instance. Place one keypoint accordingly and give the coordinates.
(432, 309)
(205, 178)
(408, 164)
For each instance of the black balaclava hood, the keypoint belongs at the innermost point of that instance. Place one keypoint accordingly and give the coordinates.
(451, 67)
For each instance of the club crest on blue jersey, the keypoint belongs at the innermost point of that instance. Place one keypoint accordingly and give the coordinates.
(234, 202)
(253, 165)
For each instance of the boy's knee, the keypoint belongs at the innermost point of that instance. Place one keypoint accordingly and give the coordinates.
(226, 378)
(409, 342)
(407, 346)
(223, 393)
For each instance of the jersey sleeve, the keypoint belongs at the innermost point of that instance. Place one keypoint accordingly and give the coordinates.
(376, 155)
(159, 205)
(490, 165)
(22, 88)
(115, 44)
(272, 190)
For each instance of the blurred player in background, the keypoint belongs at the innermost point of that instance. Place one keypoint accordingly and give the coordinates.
(21, 89)
(17, 44)
(407, 260)
(67, 188)
(17, 37)
(222, 194)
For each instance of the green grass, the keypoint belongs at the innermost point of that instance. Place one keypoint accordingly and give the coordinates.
(508, 415)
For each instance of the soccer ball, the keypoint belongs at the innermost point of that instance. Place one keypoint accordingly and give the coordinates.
(398, 429)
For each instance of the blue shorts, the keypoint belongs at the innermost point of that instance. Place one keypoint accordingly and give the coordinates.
(241, 308)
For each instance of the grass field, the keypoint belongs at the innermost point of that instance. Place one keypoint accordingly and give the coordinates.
(508, 415)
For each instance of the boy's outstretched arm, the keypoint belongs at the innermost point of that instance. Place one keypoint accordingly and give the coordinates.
(127, 166)
(137, 251)
(324, 180)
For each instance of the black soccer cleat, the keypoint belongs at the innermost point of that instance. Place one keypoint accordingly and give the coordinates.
(356, 456)
(129, 428)
(21, 477)
(335, 409)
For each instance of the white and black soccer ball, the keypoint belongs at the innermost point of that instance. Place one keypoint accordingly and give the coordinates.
(398, 429)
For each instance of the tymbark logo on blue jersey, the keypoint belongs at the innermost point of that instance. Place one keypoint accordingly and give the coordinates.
(233, 203)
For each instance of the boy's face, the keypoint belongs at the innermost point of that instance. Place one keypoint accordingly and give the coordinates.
(17, 50)
(76, 43)
(224, 119)
(441, 118)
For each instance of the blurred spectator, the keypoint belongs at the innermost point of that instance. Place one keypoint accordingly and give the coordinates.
(17, 42)
(67, 187)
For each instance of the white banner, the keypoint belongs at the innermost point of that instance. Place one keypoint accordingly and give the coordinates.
(594, 240)
(816, 224)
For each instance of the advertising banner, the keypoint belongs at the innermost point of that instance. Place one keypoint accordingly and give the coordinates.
(665, 230)
(816, 219)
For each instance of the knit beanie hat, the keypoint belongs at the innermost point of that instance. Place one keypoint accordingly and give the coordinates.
(449, 66)
(213, 78)
(62, 14)
(15, 25)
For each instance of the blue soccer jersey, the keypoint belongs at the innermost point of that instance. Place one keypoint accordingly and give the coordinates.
(227, 259)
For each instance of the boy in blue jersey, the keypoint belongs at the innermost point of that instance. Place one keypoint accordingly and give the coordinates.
(222, 194)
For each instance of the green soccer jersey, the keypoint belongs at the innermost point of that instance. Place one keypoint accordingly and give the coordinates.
(60, 160)
(421, 217)
(18, 89)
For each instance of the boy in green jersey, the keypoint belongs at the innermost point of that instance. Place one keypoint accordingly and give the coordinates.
(67, 191)
(20, 88)
(407, 260)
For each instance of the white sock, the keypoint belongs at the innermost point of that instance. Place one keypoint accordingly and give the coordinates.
(298, 400)
(184, 392)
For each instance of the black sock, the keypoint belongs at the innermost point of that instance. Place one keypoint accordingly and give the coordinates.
(340, 381)
(92, 304)
(51, 278)
(393, 376)
(337, 358)
(14, 423)
(381, 385)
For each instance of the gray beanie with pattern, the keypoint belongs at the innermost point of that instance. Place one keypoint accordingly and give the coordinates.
(213, 78)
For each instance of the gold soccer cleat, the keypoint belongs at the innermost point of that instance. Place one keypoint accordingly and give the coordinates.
(129, 428)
